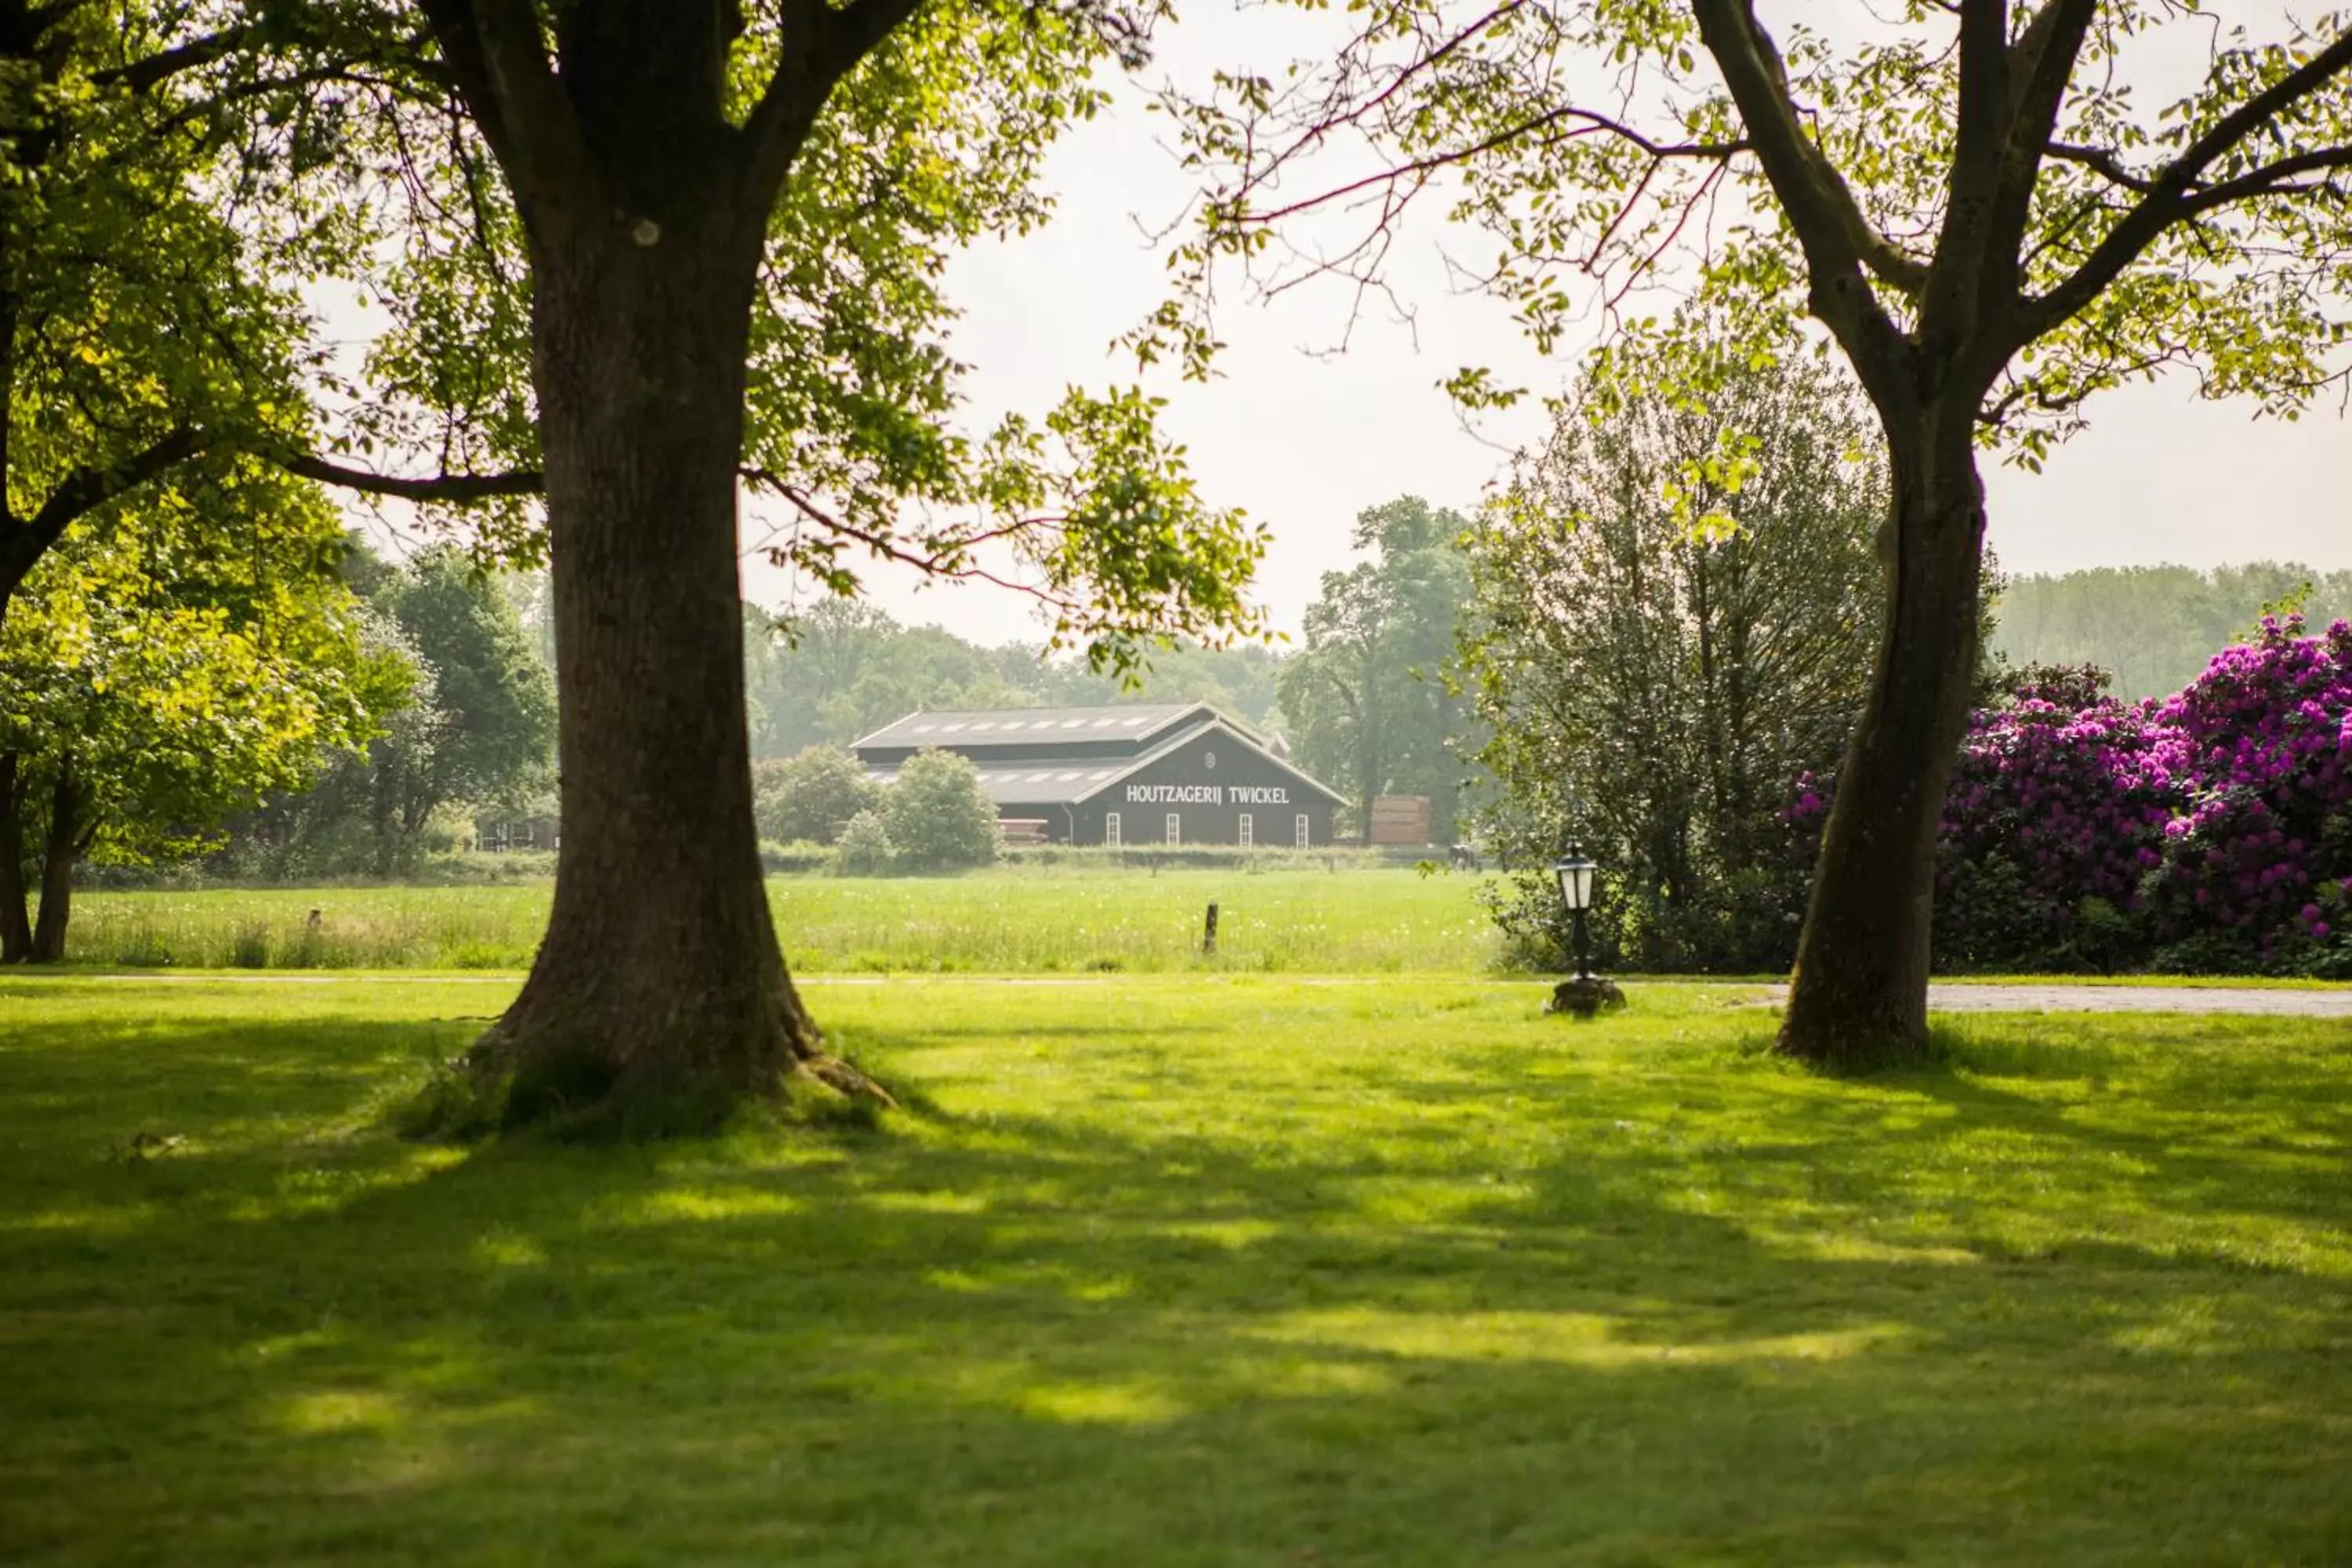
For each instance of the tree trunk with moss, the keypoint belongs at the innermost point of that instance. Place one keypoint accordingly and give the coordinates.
(659, 996)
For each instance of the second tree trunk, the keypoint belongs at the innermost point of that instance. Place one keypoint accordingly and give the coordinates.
(1859, 993)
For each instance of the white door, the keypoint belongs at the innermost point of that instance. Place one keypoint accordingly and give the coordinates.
(1110, 829)
(1175, 828)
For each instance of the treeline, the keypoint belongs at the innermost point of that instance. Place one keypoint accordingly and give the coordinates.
(2155, 629)
(844, 668)
(1359, 698)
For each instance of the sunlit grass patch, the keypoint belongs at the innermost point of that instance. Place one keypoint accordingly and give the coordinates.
(1282, 919)
(1196, 1268)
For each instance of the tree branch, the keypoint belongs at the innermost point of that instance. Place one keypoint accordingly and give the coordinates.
(455, 487)
(140, 75)
(499, 61)
(2103, 161)
(938, 564)
(1837, 238)
(821, 45)
(2039, 66)
(24, 542)
(1587, 123)
(2173, 193)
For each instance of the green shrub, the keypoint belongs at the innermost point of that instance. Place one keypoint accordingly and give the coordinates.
(786, 859)
(937, 816)
(811, 797)
(864, 849)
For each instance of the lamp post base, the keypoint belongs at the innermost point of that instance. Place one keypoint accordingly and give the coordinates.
(1584, 995)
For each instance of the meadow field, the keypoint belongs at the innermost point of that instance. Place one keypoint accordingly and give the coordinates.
(1179, 1269)
(1283, 919)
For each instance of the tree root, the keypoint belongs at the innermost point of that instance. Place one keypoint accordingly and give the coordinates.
(839, 1075)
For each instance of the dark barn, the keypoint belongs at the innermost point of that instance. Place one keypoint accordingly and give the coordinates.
(1137, 774)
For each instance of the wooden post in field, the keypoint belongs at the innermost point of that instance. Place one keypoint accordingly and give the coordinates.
(1209, 935)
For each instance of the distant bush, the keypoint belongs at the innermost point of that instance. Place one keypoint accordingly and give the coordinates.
(864, 849)
(810, 796)
(938, 817)
(785, 860)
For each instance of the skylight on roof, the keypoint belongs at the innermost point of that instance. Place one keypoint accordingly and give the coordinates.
(1131, 723)
(1015, 723)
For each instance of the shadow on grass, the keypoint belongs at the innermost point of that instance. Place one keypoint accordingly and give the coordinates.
(1520, 1304)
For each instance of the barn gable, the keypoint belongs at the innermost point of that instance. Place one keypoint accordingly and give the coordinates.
(1158, 773)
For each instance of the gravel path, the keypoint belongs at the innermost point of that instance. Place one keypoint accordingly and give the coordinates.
(2279, 1003)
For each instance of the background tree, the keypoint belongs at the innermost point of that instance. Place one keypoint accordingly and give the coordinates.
(159, 684)
(714, 235)
(493, 703)
(2155, 628)
(1242, 680)
(1650, 688)
(478, 730)
(937, 817)
(1969, 198)
(1366, 698)
(810, 796)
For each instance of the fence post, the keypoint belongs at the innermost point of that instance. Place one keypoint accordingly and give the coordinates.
(1209, 935)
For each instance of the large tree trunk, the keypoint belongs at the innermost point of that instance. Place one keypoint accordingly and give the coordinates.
(659, 997)
(69, 836)
(1859, 994)
(16, 924)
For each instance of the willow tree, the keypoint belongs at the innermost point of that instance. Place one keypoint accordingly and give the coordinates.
(676, 248)
(1967, 194)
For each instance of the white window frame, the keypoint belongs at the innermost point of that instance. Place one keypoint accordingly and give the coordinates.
(1305, 830)
(1245, 830)
(1175, 828)
(1110, 829)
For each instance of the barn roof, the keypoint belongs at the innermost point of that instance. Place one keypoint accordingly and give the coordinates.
(1046, 778)
(1043, 728)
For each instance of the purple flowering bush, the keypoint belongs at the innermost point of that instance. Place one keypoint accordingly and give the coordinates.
(2210, 830)
(2258, 862)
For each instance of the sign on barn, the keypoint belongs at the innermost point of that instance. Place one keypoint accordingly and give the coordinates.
(1131, 775)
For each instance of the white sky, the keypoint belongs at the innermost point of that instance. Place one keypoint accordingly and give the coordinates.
(1303, 440)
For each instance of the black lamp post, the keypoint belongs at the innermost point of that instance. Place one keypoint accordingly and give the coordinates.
(1585, 994)
(1575, 874)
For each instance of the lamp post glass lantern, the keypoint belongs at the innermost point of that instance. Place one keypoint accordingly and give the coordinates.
(1575, 874)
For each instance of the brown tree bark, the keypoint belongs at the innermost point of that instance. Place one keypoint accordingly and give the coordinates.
(69, 837)
(659, 996)
(16, 924)
(660, 974)
(1858, 997)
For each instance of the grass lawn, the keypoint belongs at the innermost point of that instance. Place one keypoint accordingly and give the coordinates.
(1283, 918)
(1190, 1269)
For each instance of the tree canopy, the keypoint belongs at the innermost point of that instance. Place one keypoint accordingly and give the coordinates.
(160, 682)
(1977, 204)
(1651, 690)
(1367, 697)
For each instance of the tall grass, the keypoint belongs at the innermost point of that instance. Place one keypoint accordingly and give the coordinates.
(1015, 919)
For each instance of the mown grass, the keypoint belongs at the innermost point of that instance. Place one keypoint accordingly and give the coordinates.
(1189, 1269)
(1293, 919)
